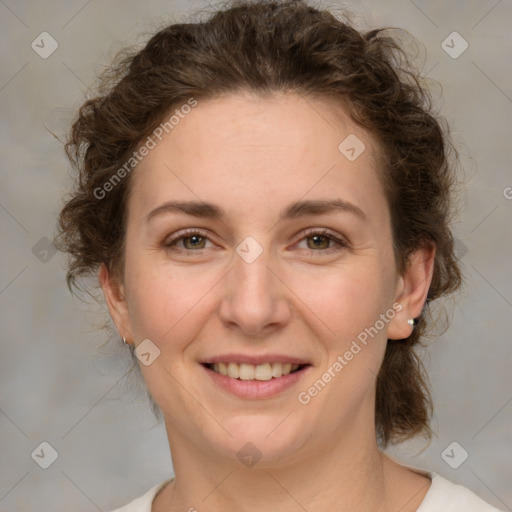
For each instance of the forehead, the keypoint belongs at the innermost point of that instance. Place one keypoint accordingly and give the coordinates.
(272, 148)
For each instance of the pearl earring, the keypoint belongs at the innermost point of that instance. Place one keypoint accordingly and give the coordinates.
(124, 341)
(411, 321)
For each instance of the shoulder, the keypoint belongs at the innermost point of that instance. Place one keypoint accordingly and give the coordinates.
(143, 503)
(450, 497)
(442, 495)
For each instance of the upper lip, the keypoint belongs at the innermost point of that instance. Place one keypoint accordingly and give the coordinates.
(254, 360)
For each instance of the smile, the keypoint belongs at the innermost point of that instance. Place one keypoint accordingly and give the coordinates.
(255, 381)
(245, 371)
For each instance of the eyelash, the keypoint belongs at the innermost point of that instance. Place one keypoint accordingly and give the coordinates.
(309, 233)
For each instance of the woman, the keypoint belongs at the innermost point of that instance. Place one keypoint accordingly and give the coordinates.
(266, 199)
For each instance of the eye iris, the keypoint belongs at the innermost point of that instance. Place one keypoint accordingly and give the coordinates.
(194, 245)
(197, 241)
(316, 238)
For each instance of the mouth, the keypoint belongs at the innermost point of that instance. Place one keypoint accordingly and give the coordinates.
(255, 377)
(250, 372)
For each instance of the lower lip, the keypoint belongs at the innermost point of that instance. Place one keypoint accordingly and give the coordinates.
(256, 389)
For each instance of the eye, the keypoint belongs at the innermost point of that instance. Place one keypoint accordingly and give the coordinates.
(322, 241)
(192, 240)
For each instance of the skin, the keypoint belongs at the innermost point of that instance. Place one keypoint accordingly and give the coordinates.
(253, 156)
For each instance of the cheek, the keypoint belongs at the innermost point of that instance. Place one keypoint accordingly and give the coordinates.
(349, 302)
(163, 302)
(345, 300)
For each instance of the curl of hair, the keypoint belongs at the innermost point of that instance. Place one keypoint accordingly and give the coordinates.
(266, 47)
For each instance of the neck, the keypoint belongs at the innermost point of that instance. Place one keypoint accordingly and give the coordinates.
(347, 475)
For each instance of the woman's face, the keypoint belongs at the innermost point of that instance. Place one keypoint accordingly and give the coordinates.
(257, 280)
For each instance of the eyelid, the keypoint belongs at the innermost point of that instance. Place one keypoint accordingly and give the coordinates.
(339, 240)
(180, 235)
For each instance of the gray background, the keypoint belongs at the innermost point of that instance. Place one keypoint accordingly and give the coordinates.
(59, 386)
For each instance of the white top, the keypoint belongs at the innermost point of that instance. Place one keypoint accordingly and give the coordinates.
(442, 495)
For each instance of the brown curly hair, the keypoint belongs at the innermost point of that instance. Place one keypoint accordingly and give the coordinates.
(265, 47)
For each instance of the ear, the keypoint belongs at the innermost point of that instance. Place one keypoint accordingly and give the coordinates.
(116, 303)
(412, 291)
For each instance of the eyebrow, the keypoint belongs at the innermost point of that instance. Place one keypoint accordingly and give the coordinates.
(294, 210)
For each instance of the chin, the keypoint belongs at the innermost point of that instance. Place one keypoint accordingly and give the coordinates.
(267, 440)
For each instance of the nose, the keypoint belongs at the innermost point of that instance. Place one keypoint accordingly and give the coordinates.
(255, 300)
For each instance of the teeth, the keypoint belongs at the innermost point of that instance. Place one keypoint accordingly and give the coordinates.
(244, 371)
(277, 370)
(263, 372)
(233, 370)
